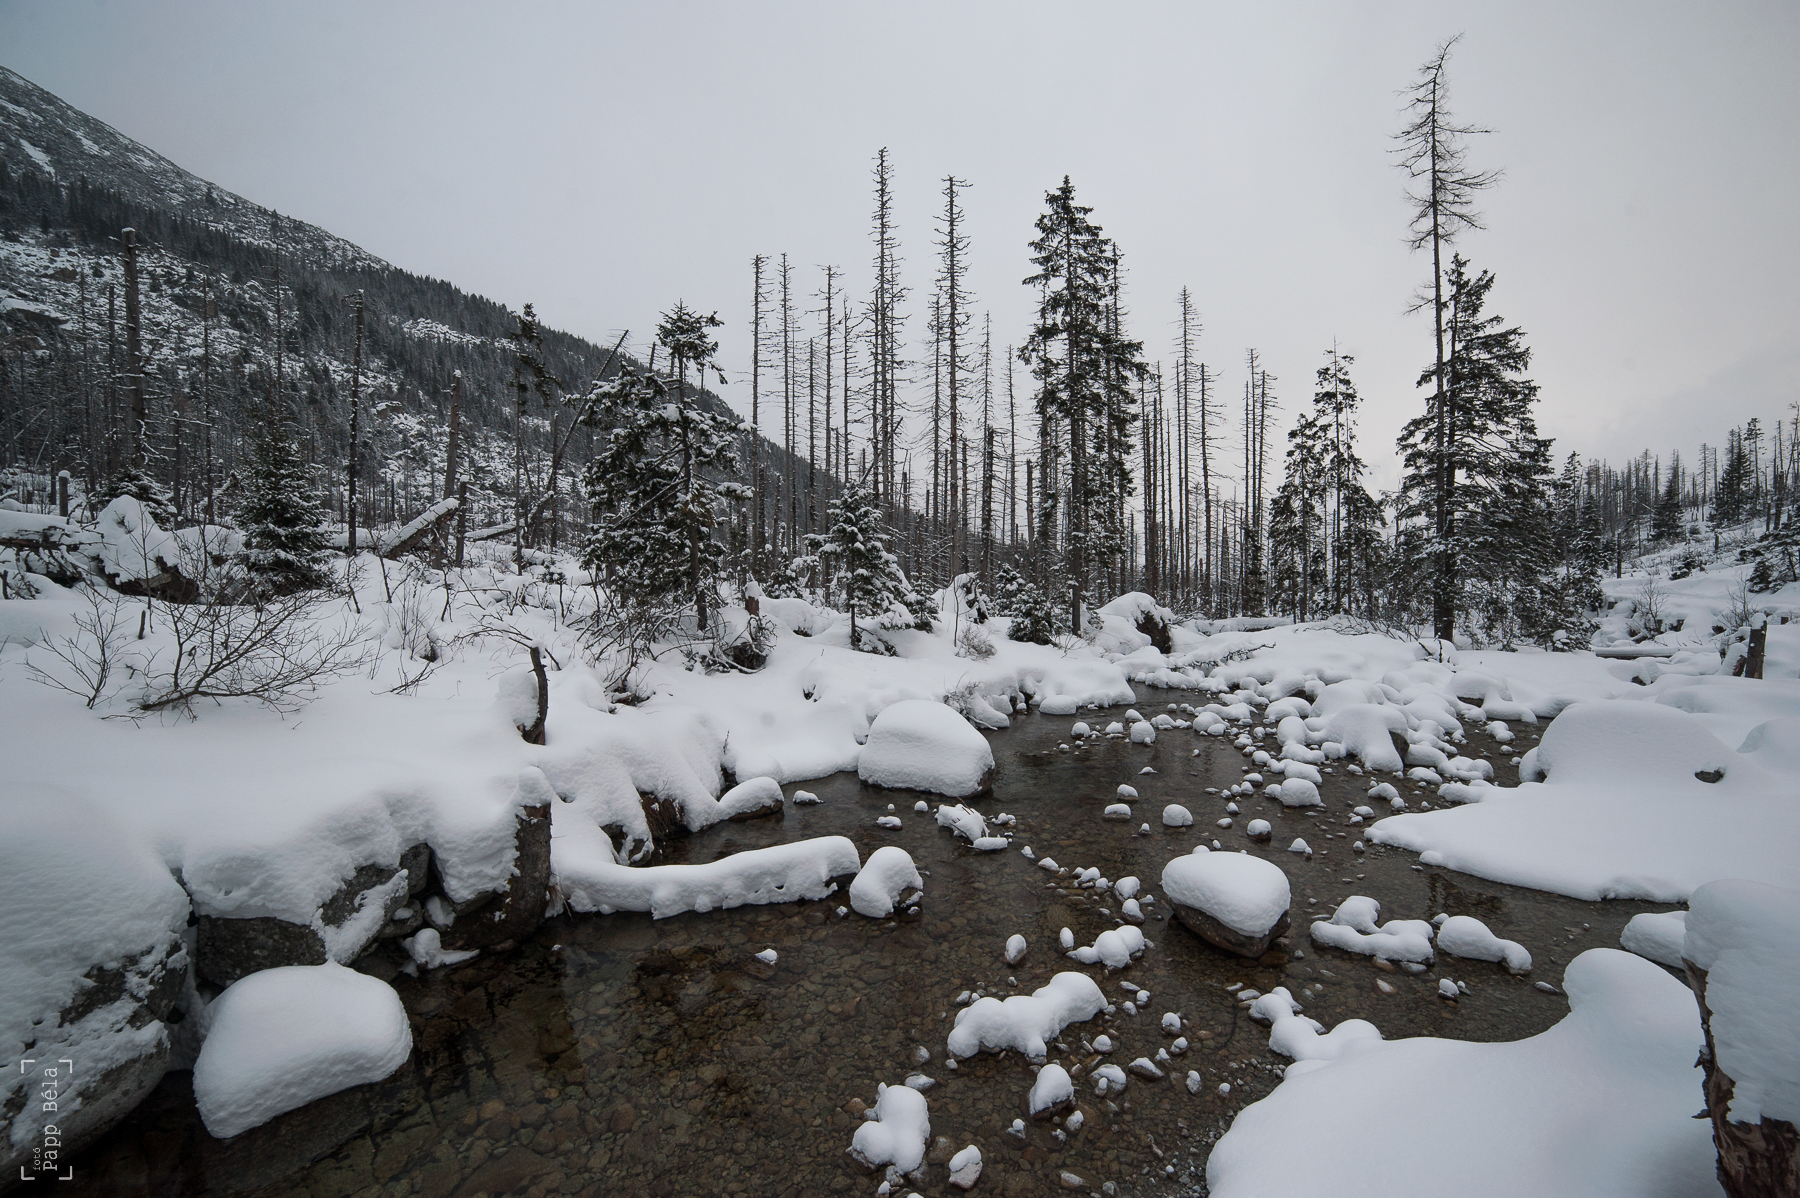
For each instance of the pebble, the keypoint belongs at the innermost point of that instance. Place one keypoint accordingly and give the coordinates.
(1071, 1181)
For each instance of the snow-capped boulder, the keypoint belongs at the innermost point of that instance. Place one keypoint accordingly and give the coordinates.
(751, 799)
(1025, 1022)
(1656, 936)
(91, 960)
(282, 1038)
(885, 876)
(921, 744)
(898, 1133)
(1466, 936)
(1231, 900)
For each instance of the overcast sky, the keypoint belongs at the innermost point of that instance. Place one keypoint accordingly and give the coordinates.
(604, 161)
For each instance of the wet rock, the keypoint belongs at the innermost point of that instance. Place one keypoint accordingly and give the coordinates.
(521, 906)
(621, 1119)
(357, 914)
(1071, 1181)
(942, 1149)
(1219, 936)
(1145, 1068)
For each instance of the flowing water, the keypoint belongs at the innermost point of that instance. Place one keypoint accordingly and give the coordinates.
(616, 1055)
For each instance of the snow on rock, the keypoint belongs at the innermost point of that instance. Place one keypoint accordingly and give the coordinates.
(1639, 800)
(1259, 829)
(1745, 936)
(888, 873)
(426, 948)
(1015, 948)
(1352, 927)
(898, 1133)
(1116, 811)
(1298, 792)
(1656, 936)
(1113, 948)
(1128, 792)
(1109, 1079)
(1293, 1035)
(1598, 1107)
(1143, 733)
(966, 822)
(1127, 887)
(1466, 936)
(1060, 705)
(1177, 816)
(81, 902)
(1025, 1022)
(746, 800)
(1300, 846)
(965, 1168)
(1246, 896)
(281, 1038)
(920, 744)
(781, 873)
(1052, 1091)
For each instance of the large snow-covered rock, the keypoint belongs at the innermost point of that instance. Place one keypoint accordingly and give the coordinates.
(91, 960)
(1231, 900)
(1599, 1106)
(920, 744)
(1656, 936)
(885, 876)
(282, 1038)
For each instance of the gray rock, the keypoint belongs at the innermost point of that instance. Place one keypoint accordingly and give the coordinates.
(228, 948)
(521, 906)
(1219, 936)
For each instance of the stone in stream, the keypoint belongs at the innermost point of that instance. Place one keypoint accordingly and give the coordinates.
(1232, 901)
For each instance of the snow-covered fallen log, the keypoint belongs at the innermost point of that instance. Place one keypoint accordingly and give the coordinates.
(782, 873)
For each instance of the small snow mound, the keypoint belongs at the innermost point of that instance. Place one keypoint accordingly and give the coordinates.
(888, 873)
(898, 1133)
(1466, 936)
(1015, 949)
(1176, 816)
(1052, 1089)
(1025, 1022)
(1656, 936)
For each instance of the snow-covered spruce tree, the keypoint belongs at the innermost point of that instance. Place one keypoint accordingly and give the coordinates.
(283, 529)
(1432, 153)
(1731, 504)
(652, 485)
(1297, 521)
(856, 555)
(1356, 548)
(1033, 617)
(1084, 367)
(133, 481)
(1475, 470)
(1665, 525)
(1008, 584)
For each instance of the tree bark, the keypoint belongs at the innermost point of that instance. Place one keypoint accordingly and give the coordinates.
(1756, 1160)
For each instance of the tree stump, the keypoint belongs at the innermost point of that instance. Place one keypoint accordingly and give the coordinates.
(1756, 1160)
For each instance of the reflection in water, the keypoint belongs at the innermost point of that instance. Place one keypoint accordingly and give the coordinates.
(621, 1056)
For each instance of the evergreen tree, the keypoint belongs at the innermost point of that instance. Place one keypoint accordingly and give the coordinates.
(284, 541)
(1476, 472)
(1667, 524)
(1297, 519)
(1443, 201)
(1083, 365)
(1731, 504)
(705, 443)
(1033, 616)
(1356, 547)
(653, 508)
(132, 480)
(856, 554)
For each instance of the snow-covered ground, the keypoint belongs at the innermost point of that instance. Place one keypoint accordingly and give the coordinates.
(1657, 777)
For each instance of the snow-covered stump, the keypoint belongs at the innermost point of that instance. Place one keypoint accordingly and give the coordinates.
(1232, 901)
(91, 961)
(921, 744)
(1742, 955)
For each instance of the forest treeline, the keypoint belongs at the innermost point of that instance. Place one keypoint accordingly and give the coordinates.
(1055, 467)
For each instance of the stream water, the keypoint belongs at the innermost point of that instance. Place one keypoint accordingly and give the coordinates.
(614, 1055)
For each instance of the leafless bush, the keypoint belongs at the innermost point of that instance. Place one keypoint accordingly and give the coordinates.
(277, 653)
(86, 663)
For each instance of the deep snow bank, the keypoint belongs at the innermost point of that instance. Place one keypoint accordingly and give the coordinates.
(1599, 1106)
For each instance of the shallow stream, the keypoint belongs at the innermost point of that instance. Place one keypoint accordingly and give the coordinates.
(614, 1055)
